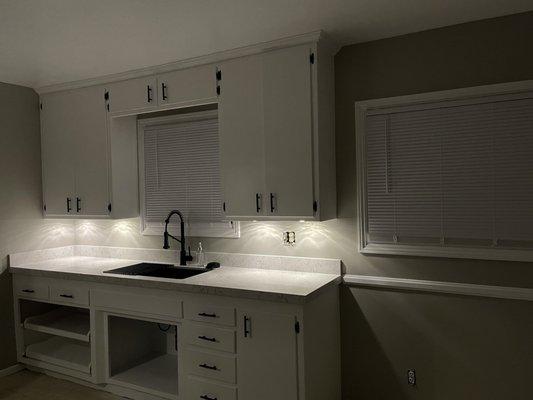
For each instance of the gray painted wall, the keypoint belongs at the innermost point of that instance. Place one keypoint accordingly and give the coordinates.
(21, 225)
(461, 347)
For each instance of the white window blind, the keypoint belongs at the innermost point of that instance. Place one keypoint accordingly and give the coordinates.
(182, 170)
(450, 173)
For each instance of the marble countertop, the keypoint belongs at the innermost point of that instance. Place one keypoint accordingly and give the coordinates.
(262, 284)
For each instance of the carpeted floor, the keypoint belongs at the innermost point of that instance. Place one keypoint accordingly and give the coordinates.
(26, 385)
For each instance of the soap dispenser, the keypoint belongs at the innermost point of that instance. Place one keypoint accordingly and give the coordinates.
(200, 255)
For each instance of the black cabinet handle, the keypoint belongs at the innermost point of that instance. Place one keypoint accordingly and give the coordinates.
(164, 91)
(203, 314)
(208, 339)
(272, 207)
(69, 208)
(247, 331)
(206, 397)
(149, 93)
(78, 204)
(68, 296)
(28, 291)
(258, 202)
(211, 367)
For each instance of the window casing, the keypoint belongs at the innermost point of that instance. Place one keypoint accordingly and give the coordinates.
(448, 174)
(179, 165)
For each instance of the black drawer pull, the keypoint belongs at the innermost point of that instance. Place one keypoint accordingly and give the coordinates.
(246, 326)
(67, 296)
(149, 93)
(203, 314)
(258, 202)
(69, 208)
(78, 204)
(164, 91)
(206, 397)
(272, 206)
(211, 367)
(28, 291)
(208, 339)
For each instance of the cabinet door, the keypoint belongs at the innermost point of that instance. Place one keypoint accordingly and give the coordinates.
(240, 113)
(188, 87)
(267, 361)
(287, 114)
(91, 149)
(58, 121)
(132, 96)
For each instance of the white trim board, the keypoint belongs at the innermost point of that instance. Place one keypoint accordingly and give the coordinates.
(456, 288)
(187, 63)
(11, 370)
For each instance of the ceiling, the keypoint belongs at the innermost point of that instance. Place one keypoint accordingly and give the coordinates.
(44, 42)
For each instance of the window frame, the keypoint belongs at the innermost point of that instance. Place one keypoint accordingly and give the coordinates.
(361, 109)
(229, 229)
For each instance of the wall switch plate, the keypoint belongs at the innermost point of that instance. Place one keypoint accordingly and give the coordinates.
(411, 377)
(289, 238)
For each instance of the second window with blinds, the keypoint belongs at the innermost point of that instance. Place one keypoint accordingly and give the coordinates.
(448, 174)
(179, 163)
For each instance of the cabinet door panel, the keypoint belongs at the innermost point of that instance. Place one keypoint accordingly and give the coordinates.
(267, 362)
(287, 106)
(241, 135)
(58, 121)
(187, 87)
(133, 95)
(91, 149)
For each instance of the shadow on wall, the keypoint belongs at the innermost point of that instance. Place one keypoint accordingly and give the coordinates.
(364, 362)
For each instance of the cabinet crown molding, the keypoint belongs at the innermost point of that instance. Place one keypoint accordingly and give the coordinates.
(189, 62)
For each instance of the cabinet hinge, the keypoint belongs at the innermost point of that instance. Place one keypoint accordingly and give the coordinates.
(109, 207)
(312, 58)
(219, 75)
(224, 206)
(218, 90)
(106, 96)
(297, 327)
(315, 206)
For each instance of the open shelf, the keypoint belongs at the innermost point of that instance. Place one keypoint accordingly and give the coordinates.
(64, 352)
(66, 322)
(158, 376)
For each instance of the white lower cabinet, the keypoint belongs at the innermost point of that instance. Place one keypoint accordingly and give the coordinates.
(162, 344)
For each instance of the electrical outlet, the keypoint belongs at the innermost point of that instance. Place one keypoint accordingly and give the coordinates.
(411, 377)
(289, 238)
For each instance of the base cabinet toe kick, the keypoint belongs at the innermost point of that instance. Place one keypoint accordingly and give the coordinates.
(146, 343)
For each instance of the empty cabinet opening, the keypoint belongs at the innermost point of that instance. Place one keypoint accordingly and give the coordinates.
(57, 335)
(143, 355)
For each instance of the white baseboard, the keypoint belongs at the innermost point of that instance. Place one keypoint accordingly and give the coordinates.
(466, 289)
(11, 370)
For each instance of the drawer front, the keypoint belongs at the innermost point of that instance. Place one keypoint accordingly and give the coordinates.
(203, 390)
(209, 313)
(212, 366)
(142, 303)
(208, 336)
(30, 288)
(66, 294)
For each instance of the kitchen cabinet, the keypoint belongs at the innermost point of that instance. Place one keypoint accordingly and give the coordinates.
(187, 87)
(132, 96)
(86, 170)
(271, 162)
(74, 153)
(267, 347)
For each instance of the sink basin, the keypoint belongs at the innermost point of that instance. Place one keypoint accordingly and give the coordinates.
(158, 271)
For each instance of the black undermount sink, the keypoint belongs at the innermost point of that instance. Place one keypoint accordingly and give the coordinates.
(158, 271)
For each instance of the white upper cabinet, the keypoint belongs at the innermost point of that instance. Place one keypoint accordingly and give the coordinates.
(240, 118)
(269, 112)
(187, 87)
(133, 96)
(76, 157)
(74, 153)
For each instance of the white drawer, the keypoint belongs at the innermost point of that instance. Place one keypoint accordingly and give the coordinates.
(168, 306)
(30, 288)
(198, 388)
(64, 293)
(210, 313)
(208, 336)
(209, 365)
